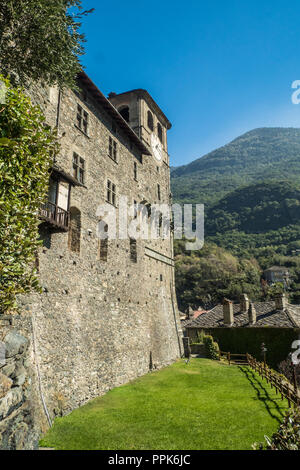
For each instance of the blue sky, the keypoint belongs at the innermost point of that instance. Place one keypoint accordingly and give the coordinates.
(217, 69)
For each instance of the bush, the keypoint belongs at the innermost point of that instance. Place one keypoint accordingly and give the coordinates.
(27, 146)
(285, 368)
(211, 348)
(288, 435)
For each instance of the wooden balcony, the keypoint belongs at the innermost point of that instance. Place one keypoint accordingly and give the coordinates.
(55, 216)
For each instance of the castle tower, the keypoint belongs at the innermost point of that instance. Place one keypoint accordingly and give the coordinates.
(147, 120)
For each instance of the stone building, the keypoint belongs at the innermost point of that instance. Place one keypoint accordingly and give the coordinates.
(243, 327)
(276, 313)
(277, 274)
(108, 310)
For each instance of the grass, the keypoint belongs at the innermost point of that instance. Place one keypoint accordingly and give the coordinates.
(205, 405)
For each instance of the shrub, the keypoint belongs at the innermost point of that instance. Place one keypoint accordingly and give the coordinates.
(211, 348)
(27, 145)
(285, 368)
(288, 435)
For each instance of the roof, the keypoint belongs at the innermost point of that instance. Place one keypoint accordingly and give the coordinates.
(266, 315)
(198, 312)
(276, 268)
(185, 321)
(144, 94)
(112, 111)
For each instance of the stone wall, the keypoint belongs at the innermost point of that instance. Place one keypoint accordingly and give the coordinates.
(100, 323)
(21, 416)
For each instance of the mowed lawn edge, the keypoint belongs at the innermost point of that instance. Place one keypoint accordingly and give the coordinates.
(203, 405)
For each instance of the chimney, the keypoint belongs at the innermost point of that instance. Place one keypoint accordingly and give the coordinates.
(252, 314)
(281, 301)
(228, 312)
(244, 303)
(190, 312)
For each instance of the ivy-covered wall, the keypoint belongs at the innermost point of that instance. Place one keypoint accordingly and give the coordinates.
(278, 341)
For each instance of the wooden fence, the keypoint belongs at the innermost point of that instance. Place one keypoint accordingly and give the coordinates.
(280, 384)
(234, 358)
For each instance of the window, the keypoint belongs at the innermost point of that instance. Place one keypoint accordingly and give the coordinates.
(133, 250)
(82, 119)
(112, 149)
(158, 192)
(160, 223)
(150, 121)
(75, 230)
(135, 170)
(161, 277)
(103, 247)
(135, 205)
(124, 111)
(159, 132)
(111, 193)
(78, 168)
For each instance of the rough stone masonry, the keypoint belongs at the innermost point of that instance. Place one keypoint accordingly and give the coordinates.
(108, 311)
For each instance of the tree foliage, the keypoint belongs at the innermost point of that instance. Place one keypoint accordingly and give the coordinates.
(288, 435)
(251, 191)
(205, 277)
(265, 153)
(41, 40)
(26, 146)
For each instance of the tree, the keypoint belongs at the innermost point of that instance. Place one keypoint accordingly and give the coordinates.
(27, 146)
(40, 40)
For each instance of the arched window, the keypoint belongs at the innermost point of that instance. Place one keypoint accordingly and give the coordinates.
(160, 132)
(124, 111)
(150, 121)
(75, 230)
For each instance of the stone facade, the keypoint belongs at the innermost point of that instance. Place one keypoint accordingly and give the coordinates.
(108, 310)
(22, 418)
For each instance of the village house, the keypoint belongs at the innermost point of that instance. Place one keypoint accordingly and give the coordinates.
(244, 326)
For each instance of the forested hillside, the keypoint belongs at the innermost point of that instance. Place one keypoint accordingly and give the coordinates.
(251, 191)
(266, 153)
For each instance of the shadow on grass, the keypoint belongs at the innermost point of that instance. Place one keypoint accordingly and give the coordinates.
(262, 393)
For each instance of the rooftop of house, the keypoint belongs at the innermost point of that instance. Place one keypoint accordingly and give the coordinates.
(266, 316)
(276, 268)
(192, 315)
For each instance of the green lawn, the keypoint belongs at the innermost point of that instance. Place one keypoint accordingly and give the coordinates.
(202, 405)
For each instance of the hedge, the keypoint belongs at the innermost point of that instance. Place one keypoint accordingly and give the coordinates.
(278, 341)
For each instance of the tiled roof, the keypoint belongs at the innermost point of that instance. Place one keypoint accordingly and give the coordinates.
(266, 315)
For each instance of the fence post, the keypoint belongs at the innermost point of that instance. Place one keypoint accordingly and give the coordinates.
(228, 357)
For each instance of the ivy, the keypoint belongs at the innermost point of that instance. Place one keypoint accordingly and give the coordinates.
(27, 146)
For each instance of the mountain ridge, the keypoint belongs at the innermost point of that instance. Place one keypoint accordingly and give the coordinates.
(250, 158)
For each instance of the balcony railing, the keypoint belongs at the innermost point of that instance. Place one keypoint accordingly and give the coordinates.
(55, 215)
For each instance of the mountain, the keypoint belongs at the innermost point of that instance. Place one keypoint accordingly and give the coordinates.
(259, 220)
(258, 208)
(272, 153)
